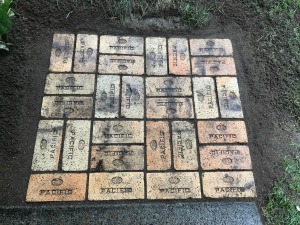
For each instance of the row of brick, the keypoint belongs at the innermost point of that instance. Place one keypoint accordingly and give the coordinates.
(125, 55)
(111, 90)
(163, 139)
(131, 185)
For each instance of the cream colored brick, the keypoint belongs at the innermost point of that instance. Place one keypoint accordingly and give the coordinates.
(205, 47)
(156, 56)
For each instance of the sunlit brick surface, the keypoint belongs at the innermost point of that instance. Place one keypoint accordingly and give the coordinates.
(140, 118)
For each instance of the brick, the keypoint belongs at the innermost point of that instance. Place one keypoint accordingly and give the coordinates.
(121, 45)
(47, 145)
(156, 56)
(107, 96)
(170, 108)
(213, 66)
(206, 106)
(86, 53)
(65, 84)
(222, 132)
(184, 146)
(205, 47)
(179, 57)
(132, 97)
(62, 53)
(229, 97)
(116, 186)
(76, 145)
(56, 187)
(185, 185)
(122, 64)
(168, 86)
(67, 107)
(225, 157)
(158, 145)
(228, 184)
(117, 158)
(105, 132)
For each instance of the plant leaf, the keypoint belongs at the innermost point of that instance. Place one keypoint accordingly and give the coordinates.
(5, 22)
(5, 5)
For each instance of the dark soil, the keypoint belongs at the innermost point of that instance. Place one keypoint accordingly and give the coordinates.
(23, 71)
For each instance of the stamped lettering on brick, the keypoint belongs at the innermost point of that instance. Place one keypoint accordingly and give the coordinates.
(184, 146)
(121, 45)
(170, 108)
(86, 53)
(228, 184)
(118, 132)
(47, 145)
(67, 107)
(213, 66)
(107, 96)
(158, 146)
(168, 86)
(206, 106)
(229, 97)
(179, 58)
(122, 64)
(156, 56)
(76, 145)
(205, 47)
(176, 185)
(225, 157)
(116, 186)
(117, 158)
(222, 132)
(56, 187)
(65, 84)
(62, 53)
(132, 97)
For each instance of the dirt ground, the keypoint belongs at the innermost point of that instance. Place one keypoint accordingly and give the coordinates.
(23, 71)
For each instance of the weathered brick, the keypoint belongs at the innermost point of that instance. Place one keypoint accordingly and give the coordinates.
(62, 53)
(86, 53)
(117, 157)
(56, 187)
(168, 86)
(213, 66)
(228, 184)
(225, 157)
(156, 56)
(205, 47)
(222, 132)
(121, 45)
(184, 146)
(206, 106)
(158, 145)
(185, 185)
(116, 186)
(229, 97)
(179, 57)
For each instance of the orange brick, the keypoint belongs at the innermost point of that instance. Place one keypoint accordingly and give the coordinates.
(62, 53)
(179, 58)
(225, 157)
(122, 64)
(116, 186)
(86, 53)
(228, 184)
(158, 146)
(184, 146)
(213, 66)
(117, 157)
(178, 185)
(222, 132)
(170, 108)
(229, 97)
(56, 187)
(218, 47)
